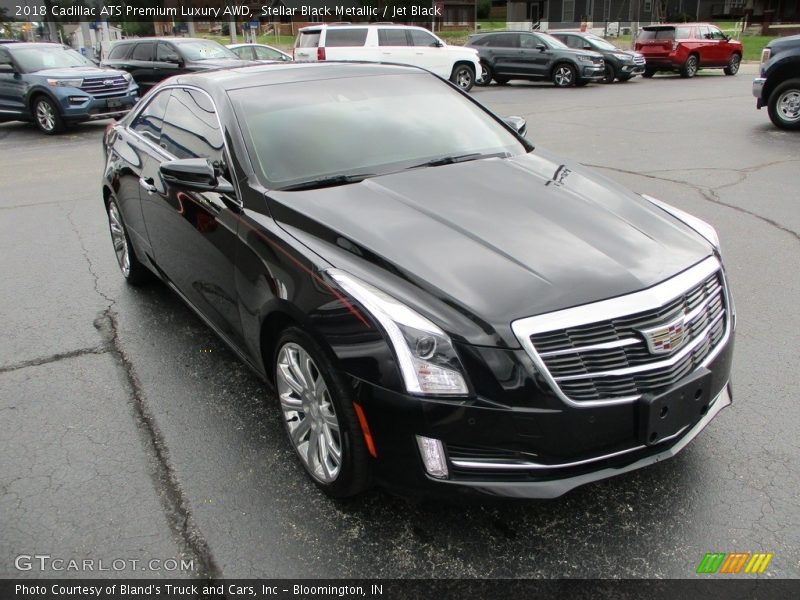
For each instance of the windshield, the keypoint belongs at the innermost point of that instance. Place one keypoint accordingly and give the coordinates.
(310, 130)
(552, 42)
(38, 58)
(205, 50)
(600, 43)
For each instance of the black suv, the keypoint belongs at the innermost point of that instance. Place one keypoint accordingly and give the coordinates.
(151, 60)
(778, 85)
(620, 64)
(509, 55)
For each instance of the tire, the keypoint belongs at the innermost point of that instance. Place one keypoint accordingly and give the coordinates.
(610, 74)
(501, 80)
(46, 116)
(463, 76)
(733, 65)
(624, 78)
(318, 416)
(134, 272)
(784, 105)
(689, 68)
(648, 73)
(486, 75)
(564, 75)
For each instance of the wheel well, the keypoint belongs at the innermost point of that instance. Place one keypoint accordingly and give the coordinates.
(777, 77)
(35, 96)
(271, 330)
(464, 64)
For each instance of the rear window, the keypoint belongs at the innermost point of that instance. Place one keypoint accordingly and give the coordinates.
(308, 39)
(119, 51)
(346, 37)
(665, 33)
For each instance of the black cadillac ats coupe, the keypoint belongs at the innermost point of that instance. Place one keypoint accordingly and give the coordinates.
(440, 306)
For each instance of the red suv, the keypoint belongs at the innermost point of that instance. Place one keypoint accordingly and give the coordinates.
(688, 47)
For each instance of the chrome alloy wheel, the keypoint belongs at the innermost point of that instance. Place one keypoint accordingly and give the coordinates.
(309, 413)
(563, 76)
(119, 239)
(464, 78)
(45, 116)
(789, 105)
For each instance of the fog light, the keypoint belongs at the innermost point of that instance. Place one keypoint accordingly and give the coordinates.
(78, 99)
(432, 452)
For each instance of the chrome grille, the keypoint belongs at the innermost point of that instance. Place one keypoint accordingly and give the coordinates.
(639, 60)
(102, 86)
(609, 360)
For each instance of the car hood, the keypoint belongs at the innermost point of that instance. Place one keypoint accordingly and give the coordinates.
(79, 72)
(477, 245)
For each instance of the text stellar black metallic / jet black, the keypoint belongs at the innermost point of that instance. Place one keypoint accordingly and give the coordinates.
(440, 307)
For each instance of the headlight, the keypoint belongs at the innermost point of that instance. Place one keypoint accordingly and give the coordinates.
(584, 58)
(65, 82)
(127, 77)
(700, 226)
(425, 354)
(622, 56)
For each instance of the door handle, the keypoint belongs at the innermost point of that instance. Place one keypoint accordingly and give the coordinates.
(147, 185)
(387, 53)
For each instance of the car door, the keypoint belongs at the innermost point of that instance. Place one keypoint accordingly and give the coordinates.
(13, 87)
(130, 151)
(168, 62)
(703, 45)
(194, 234)
(429, 52)
(720, 48)
(504, 49)
(535, 60)
(141, 65)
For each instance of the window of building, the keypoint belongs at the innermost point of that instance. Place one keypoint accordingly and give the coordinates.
(568, 11)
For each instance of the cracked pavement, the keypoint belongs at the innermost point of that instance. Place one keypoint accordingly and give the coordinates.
(130, 431)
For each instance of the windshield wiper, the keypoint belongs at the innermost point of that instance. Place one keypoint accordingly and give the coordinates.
(326, 182)
(449, 160)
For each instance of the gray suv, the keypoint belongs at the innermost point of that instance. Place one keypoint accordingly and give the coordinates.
(507, 55)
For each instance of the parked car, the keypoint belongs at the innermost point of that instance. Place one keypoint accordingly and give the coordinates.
(507, 55)
(778, 84)
(621, 64)
(687, 48)
(388, 43)
(54, 86)
(150, 60)
(437, 312)
(259, 52)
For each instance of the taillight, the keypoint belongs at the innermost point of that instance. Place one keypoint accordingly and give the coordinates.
(674, 45)
(320, 53)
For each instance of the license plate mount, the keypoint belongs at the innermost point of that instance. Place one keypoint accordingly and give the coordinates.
(665, 414)
(114, 103)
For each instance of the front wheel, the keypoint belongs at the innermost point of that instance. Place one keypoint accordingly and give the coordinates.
(733, 65)
(47, 117)
(132, 270)
(784, 105)
(564, 75)
(319, 417)
(610, 74)
(463, 76)
(689, 68)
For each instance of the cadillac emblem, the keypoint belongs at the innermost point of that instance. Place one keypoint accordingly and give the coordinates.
(666, 338)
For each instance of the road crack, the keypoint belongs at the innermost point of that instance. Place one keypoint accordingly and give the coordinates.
(35, 362)
(710, 193)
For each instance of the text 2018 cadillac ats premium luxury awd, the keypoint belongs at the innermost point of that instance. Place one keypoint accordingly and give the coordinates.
(440, 306)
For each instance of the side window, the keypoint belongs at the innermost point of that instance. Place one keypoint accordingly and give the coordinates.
(701, 33)
(267, 53)
(505, 40)
(336, 37)
(716, 33)
(683, 33)
(119, 51)
(392, 37)
(422, 38)
(191, 128)
(143, 51)
(148, 123)
(167, 53)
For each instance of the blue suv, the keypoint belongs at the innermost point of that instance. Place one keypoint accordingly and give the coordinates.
(53, 85)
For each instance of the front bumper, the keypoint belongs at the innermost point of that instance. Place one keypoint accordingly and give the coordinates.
(632, 69)
(758, 91)
(592, 72)
(77, 105)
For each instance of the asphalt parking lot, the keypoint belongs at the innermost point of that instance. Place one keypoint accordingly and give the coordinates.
(130, 432)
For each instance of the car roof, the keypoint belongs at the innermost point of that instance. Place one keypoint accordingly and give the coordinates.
(281, 72)
(39, 45)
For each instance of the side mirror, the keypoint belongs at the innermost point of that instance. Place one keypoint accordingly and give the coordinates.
(7, 68)
(540, 47)
(196, 174)
(518, 124)
(174, 59)
(438, 44)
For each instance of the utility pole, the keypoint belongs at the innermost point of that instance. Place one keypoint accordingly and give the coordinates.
(232, 30)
